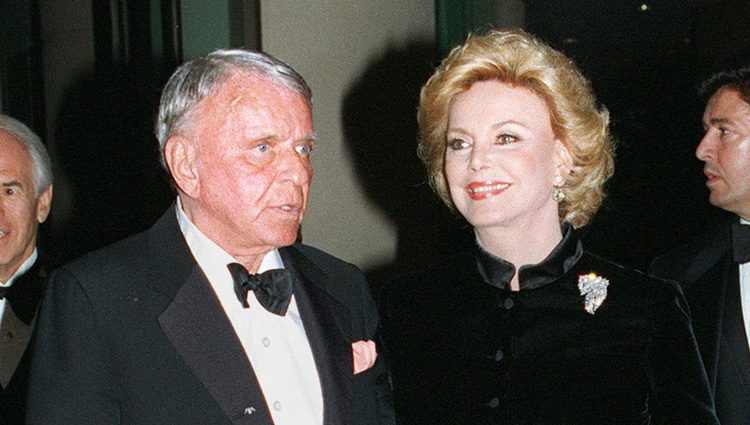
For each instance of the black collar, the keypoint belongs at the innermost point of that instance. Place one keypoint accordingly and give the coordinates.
(498, 272)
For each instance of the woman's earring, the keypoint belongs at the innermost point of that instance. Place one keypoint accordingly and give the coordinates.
(558, 195)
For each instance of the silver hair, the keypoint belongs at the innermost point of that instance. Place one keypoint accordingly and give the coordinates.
(195, 80)
(41, 166)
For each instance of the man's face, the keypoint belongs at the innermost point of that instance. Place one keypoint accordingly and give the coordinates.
(20, 211)
(725, 149)
(251, 143)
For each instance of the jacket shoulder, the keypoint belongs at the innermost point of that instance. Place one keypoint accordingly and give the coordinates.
(343, 280)
(324, 260)
(642, 282)
(120, 258)
(689, 261)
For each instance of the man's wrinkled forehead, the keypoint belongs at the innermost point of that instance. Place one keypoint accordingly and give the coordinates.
(15, 159)
(248, 88)
(13, 144)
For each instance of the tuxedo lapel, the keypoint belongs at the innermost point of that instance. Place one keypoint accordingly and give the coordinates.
(197, 327)
(14, 337)
(734, 346)
(18, 320)
(324, 320)
(706, 299)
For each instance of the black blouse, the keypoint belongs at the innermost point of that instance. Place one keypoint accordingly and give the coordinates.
(464, 349)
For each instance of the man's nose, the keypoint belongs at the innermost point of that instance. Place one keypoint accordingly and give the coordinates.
(297, 168)
(704, 151)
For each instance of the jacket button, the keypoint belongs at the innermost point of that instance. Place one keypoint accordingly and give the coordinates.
(499, 355)
(494, 403)
(508, 303)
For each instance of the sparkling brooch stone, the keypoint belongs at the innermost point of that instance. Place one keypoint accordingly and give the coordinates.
(595, 290)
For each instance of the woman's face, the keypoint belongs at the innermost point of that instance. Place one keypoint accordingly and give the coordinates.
(502, 157)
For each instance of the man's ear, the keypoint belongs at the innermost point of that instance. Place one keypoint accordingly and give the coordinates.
(43, 204)
(180, 156)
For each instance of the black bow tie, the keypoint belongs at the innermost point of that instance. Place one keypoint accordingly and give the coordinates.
(741, 242)
(272, 288)
(23, 309)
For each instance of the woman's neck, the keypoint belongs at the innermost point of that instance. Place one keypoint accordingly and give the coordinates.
(520, 245)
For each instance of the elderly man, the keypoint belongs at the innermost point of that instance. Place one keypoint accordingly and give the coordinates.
(715, 269)
(215, 315)
(26, 179)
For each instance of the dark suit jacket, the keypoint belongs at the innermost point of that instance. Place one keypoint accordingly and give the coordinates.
(28, 288)
(710, 280)
(133, 334)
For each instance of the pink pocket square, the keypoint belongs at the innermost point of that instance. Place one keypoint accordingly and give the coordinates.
(365, 354)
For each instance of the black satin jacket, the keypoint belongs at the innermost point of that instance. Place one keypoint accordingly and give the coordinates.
(464, 349)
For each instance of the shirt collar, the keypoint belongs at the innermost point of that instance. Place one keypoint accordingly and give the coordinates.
(211, 258)
(25, 266)
(498, 272)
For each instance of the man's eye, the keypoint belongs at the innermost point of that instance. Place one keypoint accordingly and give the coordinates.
(10, 191)
(263, 147)
(457, 144)
(304, 149)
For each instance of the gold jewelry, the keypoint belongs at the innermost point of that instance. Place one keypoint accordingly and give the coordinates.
(558, 195)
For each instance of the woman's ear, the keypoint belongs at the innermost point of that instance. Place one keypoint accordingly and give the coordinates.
(563, 158)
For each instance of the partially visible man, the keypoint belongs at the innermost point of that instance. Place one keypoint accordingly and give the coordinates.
(714, 270)
(25, 198)
(215, 315)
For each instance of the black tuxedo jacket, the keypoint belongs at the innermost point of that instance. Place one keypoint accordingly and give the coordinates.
(710, 280)
(28, 288)
(133, 334)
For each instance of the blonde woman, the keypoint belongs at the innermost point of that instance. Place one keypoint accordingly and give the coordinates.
(529, 327)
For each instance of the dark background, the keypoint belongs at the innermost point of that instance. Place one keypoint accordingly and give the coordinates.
(644, 66)
(645, 60)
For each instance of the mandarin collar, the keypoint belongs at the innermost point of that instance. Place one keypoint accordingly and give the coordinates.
(497, 272)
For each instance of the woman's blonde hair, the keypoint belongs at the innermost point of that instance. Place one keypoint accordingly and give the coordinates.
(521, 59)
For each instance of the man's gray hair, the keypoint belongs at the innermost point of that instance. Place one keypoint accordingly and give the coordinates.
(195, 80)
(41, 166)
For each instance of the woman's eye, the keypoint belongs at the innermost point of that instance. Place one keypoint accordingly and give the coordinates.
(504, 139)
(263, 147)
(457, 144)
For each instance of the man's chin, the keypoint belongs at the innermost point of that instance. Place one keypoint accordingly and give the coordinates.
(722, 202)
(289, 237)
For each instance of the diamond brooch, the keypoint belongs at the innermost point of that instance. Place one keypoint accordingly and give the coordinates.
(594, 288)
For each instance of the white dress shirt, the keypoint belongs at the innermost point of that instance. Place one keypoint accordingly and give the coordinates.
(745, 293)
(276, 346)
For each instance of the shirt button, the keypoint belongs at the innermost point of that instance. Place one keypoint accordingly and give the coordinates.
(266, 342)
(277, 405)
(494, 403)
